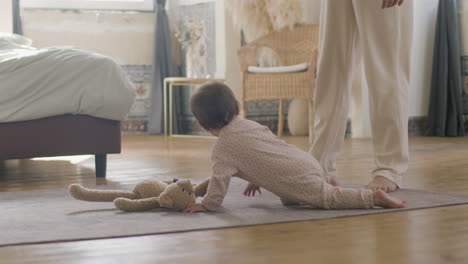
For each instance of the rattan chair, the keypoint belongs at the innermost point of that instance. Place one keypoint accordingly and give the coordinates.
(293, 46)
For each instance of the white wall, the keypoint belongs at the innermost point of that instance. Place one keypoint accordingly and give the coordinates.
(425, 16)
(311, 11)
(424, 19)
(233, 43)
(220, 19)
(127, 37)
(6, 21)
(463, 16)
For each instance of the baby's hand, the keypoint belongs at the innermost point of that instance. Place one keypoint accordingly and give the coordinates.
(251, 189)
(194, 208)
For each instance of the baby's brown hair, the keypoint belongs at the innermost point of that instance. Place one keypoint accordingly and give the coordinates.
(214, 105)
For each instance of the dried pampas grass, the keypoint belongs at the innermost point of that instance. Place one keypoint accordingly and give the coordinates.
(249, 16)
(283, 13)
(259, 17)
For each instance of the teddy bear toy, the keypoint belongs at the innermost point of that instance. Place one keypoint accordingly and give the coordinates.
(146, 195)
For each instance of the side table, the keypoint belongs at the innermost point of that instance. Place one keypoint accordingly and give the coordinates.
(169, 83)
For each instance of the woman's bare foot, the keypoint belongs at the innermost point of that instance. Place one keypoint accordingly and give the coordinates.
(382, 183)
(384, 200)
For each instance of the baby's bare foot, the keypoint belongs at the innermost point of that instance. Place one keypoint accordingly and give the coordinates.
(382, 183)
(384, 200)
(334, 182)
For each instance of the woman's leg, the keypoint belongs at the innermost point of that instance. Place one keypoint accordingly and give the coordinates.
(339, 54)
(386, 36)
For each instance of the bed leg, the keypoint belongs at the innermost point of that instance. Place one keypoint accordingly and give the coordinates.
(100, 162)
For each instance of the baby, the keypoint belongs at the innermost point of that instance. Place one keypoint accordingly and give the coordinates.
(250, 151)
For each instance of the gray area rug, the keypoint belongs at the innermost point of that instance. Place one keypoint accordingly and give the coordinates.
(52, 215)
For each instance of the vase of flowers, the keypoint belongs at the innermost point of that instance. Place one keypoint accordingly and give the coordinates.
(192, 37)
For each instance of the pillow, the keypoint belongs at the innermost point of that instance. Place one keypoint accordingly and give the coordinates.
(282, 69)
(12, 46)
(267, 57)
(17, 39)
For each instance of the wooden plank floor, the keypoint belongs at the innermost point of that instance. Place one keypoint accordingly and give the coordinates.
(438, 235)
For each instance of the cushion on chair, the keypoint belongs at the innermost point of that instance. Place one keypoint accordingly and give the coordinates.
(282, 69)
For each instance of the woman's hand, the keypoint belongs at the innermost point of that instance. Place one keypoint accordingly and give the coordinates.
(194, 208)
(251, 189)
(390, 3)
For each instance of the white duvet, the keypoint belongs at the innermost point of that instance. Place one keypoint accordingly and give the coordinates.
(36, 83)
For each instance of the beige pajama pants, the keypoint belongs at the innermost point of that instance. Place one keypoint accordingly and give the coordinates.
(318, 193)
(351, 30)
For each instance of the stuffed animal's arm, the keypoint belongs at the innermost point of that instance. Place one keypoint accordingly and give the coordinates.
(81, 193)
(201, 188)
(128, 205)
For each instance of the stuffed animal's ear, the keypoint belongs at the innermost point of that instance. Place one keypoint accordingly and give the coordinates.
(165, 200)
(186, 185)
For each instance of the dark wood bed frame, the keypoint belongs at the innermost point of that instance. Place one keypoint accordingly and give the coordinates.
(62, 135)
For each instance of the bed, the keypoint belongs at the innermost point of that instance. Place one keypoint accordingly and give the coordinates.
(60, 101)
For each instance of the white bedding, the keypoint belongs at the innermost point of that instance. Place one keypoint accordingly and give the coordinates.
(36, 83)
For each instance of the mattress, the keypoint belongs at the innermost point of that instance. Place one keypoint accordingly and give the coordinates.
(37, 83)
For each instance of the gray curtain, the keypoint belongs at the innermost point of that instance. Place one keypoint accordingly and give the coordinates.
(163, 67)
(17, 27)
(180, 94)
(445, 117)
